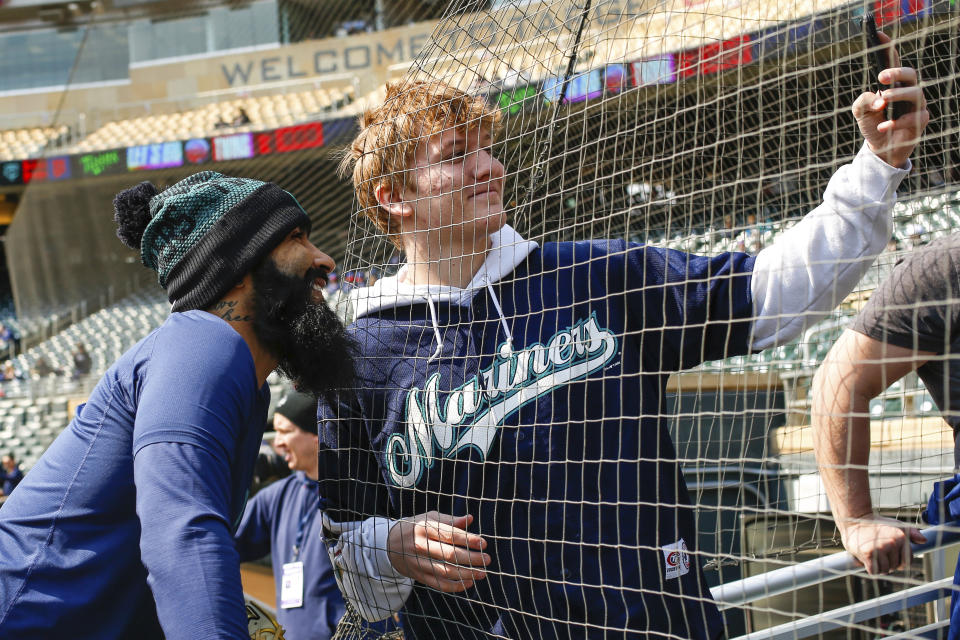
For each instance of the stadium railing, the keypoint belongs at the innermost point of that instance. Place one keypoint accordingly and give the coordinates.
(742, 592)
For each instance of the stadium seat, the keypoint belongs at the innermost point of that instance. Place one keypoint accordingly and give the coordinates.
(264, 112)
(16, 144)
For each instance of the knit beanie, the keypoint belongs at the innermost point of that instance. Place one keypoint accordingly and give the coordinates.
(300, 409)
(206, 232)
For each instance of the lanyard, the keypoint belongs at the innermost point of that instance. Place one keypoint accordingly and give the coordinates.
(305, 520)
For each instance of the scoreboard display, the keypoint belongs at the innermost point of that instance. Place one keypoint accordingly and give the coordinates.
(164, 155)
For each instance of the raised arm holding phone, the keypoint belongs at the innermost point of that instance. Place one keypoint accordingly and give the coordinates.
(471, 465)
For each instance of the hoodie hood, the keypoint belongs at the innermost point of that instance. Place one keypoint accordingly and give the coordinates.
(508, 249)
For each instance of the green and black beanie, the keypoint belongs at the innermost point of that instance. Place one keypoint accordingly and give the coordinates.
(206, 232)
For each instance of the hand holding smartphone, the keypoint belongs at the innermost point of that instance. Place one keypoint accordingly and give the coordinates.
(879, 60)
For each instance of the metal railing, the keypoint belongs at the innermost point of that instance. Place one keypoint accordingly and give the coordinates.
(837, 565)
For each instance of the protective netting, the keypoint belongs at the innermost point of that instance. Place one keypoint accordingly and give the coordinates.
(597, 409)
(550, 395)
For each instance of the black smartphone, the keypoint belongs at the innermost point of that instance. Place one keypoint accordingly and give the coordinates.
(879, 61)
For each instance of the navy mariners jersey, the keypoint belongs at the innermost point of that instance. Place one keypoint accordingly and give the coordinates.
(556, 443)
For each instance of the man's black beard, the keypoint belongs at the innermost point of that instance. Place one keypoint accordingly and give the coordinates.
(309, 342)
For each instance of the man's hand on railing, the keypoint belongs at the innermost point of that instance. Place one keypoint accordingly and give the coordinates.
(880, 544)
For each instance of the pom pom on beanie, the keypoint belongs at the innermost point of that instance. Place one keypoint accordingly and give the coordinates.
(131, 212)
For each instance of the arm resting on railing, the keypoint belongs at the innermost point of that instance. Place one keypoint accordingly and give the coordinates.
(771, 583)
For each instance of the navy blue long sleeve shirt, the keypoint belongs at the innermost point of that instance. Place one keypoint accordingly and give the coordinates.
(271, 524)
(125, 525)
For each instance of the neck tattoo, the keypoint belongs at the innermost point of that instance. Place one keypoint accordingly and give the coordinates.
(227, 309)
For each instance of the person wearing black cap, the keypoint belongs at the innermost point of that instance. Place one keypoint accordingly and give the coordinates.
(283, 520)
(124, 527)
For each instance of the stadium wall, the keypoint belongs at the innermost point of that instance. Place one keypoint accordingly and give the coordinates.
(176, 83)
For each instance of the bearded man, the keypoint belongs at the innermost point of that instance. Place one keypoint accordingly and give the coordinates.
(124, 528)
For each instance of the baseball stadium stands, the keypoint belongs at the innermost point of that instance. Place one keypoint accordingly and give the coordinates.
(916, 221)
(222, 118)
(237, 115)
(107, 333)
(16, 144)
(28, 425)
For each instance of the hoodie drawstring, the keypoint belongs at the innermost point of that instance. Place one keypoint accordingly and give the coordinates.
(496, 304)
(436, 329)
(503, 321)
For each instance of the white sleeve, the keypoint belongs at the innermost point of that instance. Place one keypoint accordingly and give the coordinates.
(362, 566)
(812, 267)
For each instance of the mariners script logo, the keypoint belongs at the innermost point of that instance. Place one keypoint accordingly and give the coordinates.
(436, 428)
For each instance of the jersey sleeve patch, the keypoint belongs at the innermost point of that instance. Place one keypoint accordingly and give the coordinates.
(677, 559)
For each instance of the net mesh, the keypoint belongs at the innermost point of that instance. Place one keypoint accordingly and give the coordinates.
(698, 126)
